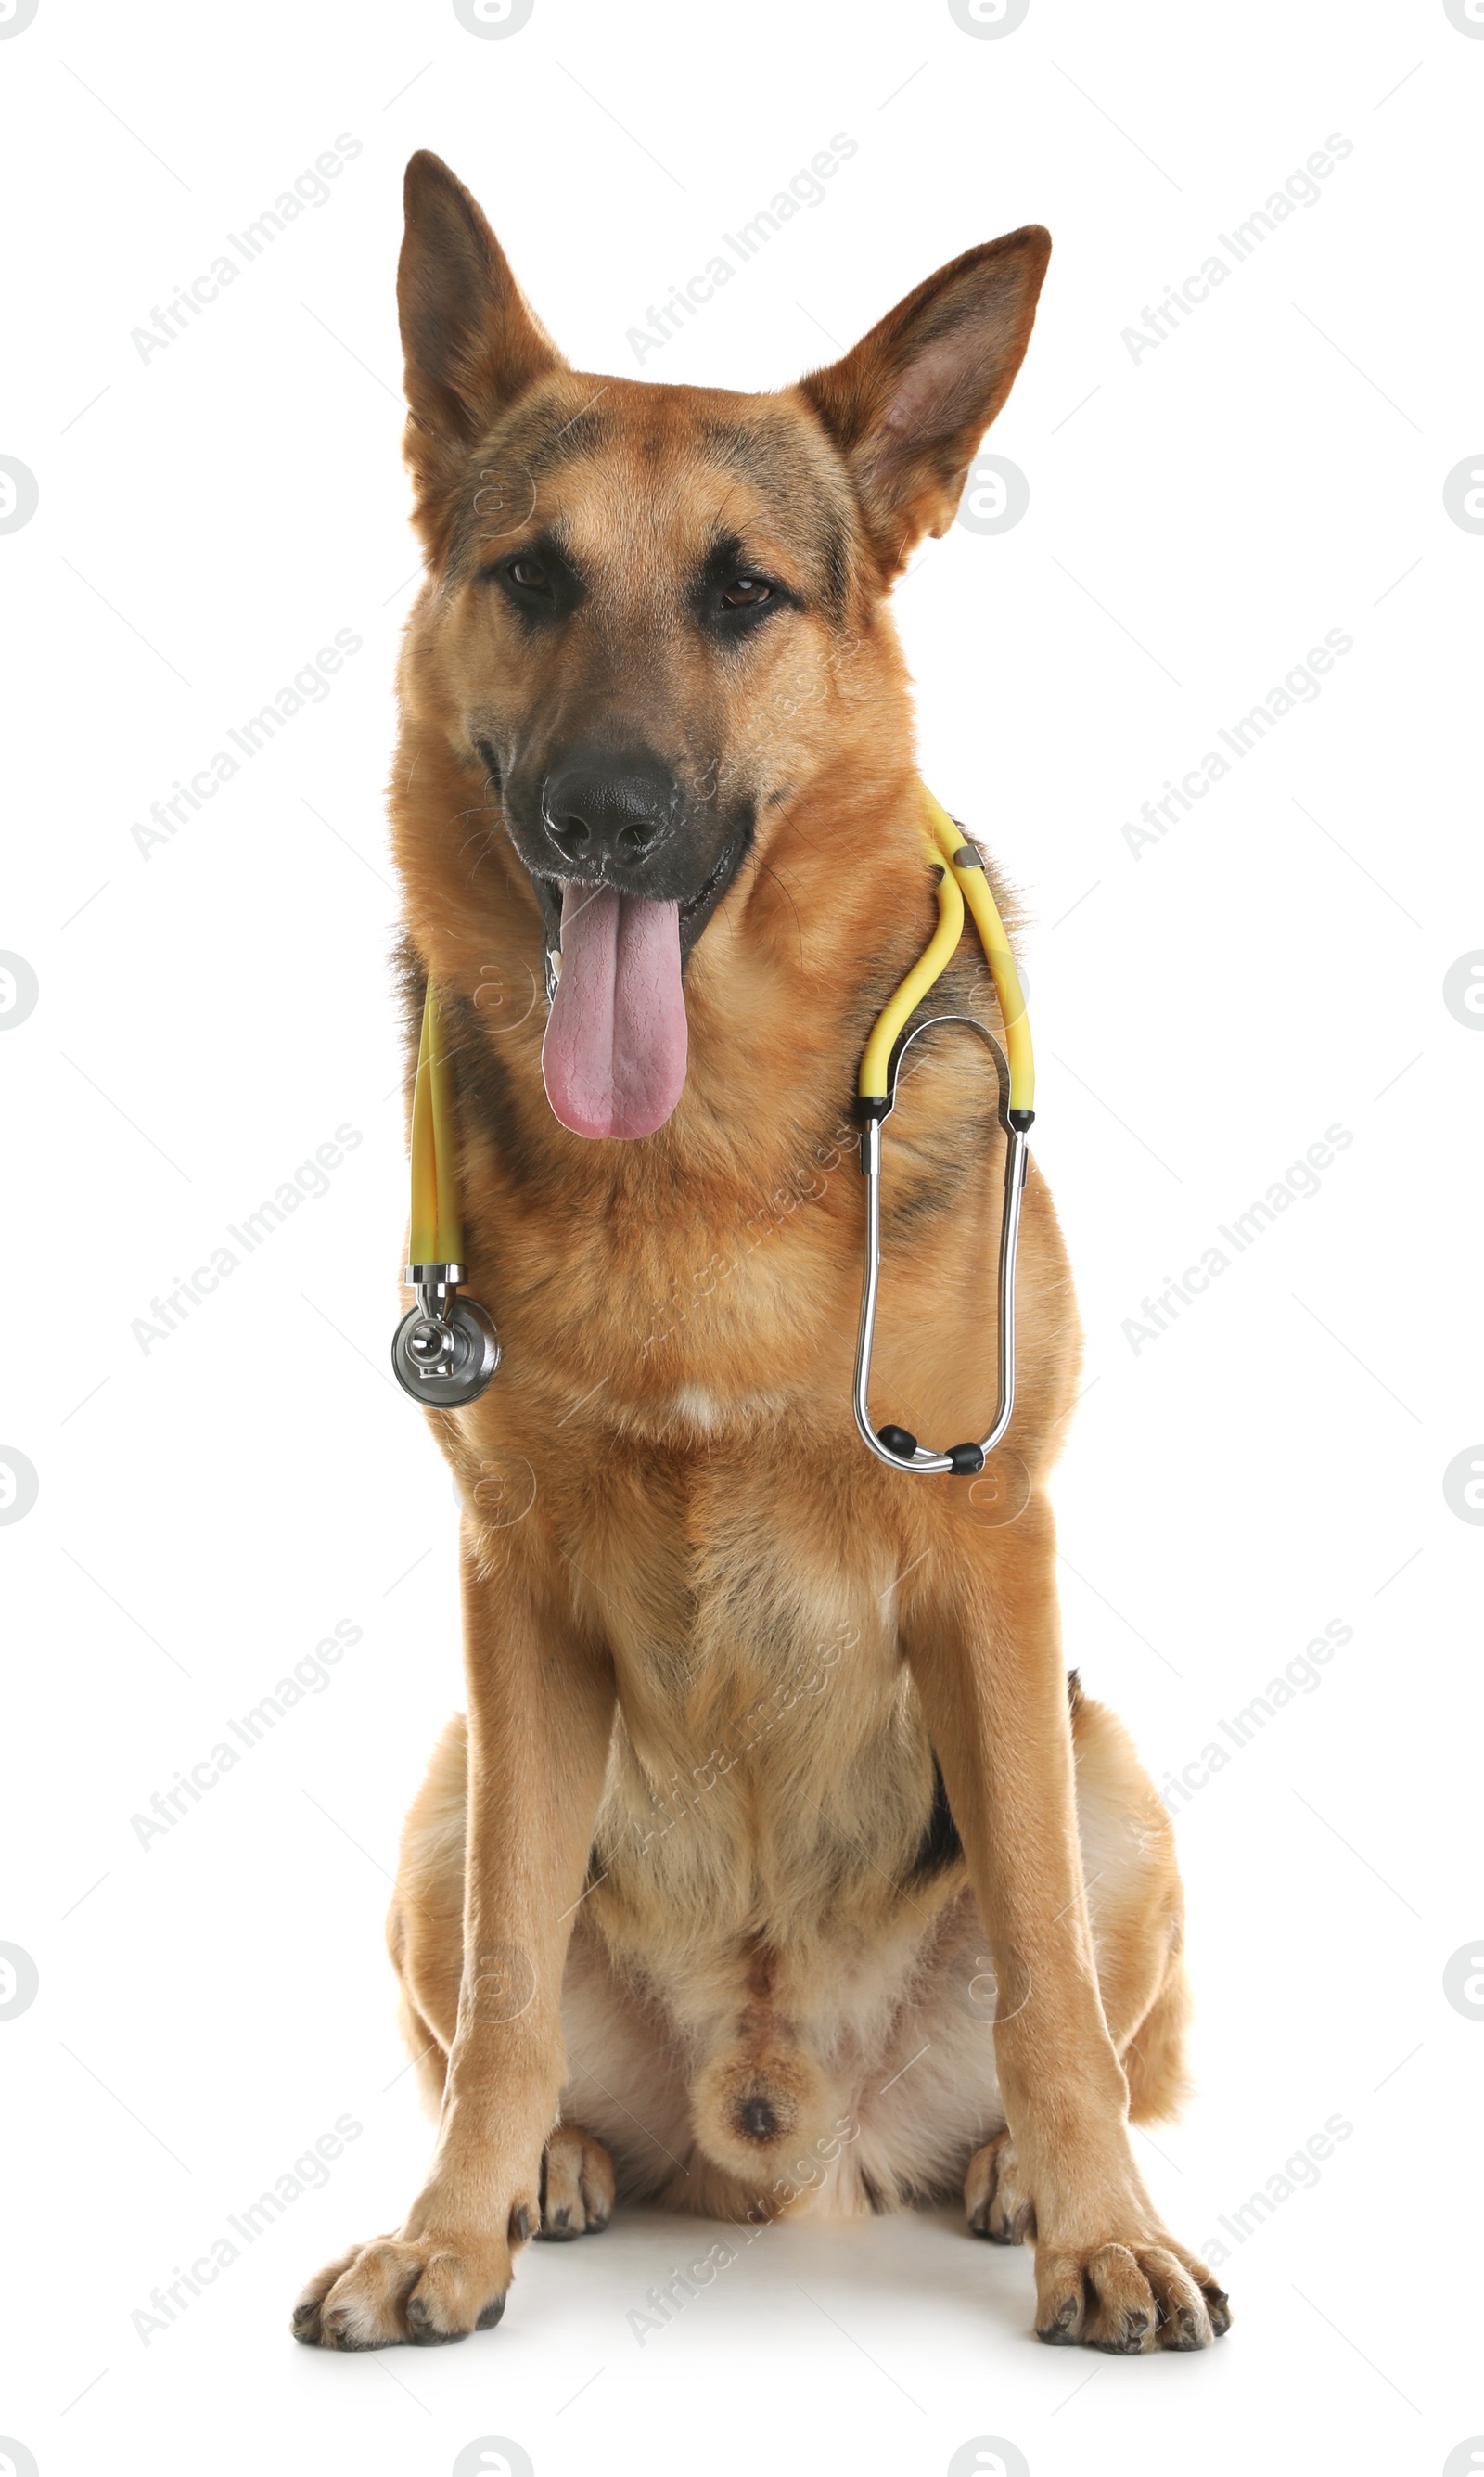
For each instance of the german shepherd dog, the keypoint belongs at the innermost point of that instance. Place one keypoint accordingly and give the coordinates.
(775, 1869)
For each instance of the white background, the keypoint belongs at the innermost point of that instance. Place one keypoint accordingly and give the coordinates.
(207, 1017)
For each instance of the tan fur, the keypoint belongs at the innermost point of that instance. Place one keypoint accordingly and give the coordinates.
(912, 2147)
(673, 1883)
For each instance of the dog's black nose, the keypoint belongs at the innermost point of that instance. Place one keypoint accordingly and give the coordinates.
(756, 2120)
(597, 813)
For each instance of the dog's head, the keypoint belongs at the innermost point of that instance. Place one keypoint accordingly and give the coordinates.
(648, 604)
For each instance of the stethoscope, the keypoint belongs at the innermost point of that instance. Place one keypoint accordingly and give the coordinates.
(961, 880)
(445, 1350)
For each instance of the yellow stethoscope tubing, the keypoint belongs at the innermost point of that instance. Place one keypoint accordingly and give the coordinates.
(958, 885)
(929, 968)
(445, 1349)
(435, 1230)
(961, 883)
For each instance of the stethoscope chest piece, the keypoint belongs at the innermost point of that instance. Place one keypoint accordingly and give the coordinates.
(445, 1350)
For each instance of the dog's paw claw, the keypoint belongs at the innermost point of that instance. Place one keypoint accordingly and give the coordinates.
(419, 2293)
(1128, 2299)
(422, 2332)
(997, 2205)
(577, 2186)
(1058, 2333)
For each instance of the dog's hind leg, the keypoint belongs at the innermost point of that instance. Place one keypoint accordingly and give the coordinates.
(425, 1922)
(428, 2054)
(1154, 2057)
(577, 2186)
(1136, 1908)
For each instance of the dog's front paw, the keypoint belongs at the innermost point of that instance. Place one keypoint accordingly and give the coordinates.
(420, 2291)
(1128, 2299)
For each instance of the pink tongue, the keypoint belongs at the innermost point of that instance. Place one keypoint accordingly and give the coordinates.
(614, 1052)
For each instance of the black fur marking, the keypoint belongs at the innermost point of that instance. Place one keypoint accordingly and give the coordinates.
(500, 496)
(541, 437)
(561, 591)
(836, 549)
(940, 1846)
(810, 494)
(724, 561)
(763, 455)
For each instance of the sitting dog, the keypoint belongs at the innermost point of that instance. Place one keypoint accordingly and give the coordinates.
(775, 1867)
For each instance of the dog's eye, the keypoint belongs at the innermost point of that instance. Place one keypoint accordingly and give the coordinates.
(539, 585)
(745, 592)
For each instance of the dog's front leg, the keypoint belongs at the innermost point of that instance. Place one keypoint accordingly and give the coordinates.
(985, 1643)
(540, 1704)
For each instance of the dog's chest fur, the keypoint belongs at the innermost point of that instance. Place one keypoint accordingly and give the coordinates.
(771, 1787)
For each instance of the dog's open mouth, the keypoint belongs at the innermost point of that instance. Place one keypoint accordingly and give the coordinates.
(614, 1054)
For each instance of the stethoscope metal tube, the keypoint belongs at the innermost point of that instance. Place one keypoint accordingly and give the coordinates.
(895, 1446)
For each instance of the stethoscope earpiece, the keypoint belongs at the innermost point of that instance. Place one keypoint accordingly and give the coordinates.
(446, 1350)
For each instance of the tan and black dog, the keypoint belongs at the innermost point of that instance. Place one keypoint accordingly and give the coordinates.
(774, 1868)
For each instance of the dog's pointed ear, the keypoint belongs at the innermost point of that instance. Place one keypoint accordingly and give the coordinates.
(470, 344)
(909, 406)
